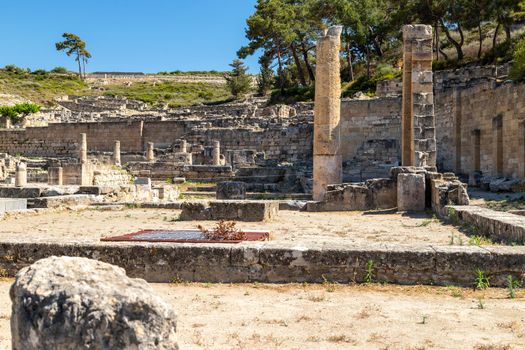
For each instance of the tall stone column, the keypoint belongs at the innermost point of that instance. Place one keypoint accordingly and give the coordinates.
(327, 113)
(83, 148)
(216, 153)
(418, 139)
(21, 175)
(150, 154)
(116, 153)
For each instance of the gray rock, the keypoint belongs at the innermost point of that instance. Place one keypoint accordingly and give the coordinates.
(66, 303)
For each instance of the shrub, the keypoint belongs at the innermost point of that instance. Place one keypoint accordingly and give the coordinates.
(367, 85)
(19, 111)
(517, 71)
(292, 95)
(501, 53)
(59, 70)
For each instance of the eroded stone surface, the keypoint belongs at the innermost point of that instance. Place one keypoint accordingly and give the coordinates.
(76, 303)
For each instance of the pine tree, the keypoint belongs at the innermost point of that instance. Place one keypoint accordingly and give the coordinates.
(238, 81)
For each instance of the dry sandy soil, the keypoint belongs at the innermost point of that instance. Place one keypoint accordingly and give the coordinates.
(256, 316)
(322, 228)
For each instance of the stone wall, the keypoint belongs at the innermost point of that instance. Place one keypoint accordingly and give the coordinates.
(371, 132)
(276, 262)
(479, 126)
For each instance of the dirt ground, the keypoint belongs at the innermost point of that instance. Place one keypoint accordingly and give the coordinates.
(256, 316)
(338, 227)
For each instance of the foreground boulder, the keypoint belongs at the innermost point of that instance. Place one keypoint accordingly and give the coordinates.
(65, 303)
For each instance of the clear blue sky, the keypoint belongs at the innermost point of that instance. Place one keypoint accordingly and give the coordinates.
(126, 35)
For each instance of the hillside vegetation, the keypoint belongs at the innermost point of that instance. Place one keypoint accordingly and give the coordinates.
(44, 87)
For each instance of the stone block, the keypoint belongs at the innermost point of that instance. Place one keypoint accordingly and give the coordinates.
(63, 201)
(20, 192)
(230, 210)
(231, 190)
(411, 192)
(12, 204)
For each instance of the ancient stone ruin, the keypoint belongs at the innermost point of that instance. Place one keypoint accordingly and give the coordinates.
(291, 173)
(77, 303)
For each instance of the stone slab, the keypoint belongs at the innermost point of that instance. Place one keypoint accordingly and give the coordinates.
(12, 204)
(497, 225)
(20, 192)
(63, 201)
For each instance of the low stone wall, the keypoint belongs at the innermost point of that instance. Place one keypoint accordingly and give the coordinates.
(240, 210)
(496, 225)
(165, 170)
(274, 262)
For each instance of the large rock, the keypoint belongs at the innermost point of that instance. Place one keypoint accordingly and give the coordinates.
(71, 303)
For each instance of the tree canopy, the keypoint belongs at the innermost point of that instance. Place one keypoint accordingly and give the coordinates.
(73, 45)
(284, 32)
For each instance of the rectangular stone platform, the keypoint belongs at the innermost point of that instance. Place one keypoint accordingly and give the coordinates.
(497, 225)
(63, 201)
(12, 204)
(230, 210)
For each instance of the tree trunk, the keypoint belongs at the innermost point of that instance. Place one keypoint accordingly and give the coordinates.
(495, 37)
(280, 69)
(367, 61)
(349, 61)
(457, 45)
(436, 32)
(300, 73)
(79, 65)
(480, 40)
(311, 73)
(507, 32)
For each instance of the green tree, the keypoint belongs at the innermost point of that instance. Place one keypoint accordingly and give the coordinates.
(238, 81)
(269, 29)
(266, 78)
(74, 45)
(517, 71)
(18, 112)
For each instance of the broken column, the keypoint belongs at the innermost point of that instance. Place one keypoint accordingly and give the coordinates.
(216, 153)
(55, 176)
(83, 148)
(418, 141)
(21, 175)
(116, 153)
(150, 154)
(327, 158)
(183, 146)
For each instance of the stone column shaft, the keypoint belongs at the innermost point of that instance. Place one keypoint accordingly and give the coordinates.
(327, 162)
(83, 148)
(216, 153)
(150, 154)
(418, 140)
(116, 153)
(183, 146)
(21, 175)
